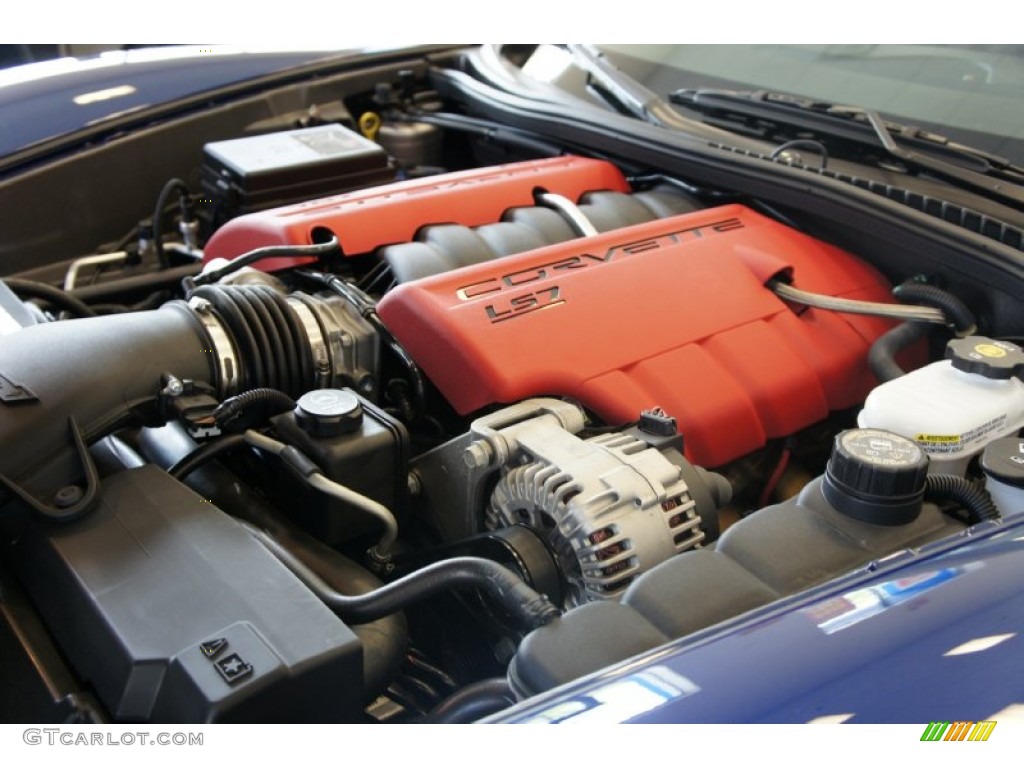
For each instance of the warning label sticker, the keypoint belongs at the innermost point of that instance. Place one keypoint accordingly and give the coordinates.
(957, 443)
(938, 439)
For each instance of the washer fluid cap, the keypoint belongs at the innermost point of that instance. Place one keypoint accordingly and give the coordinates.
(329, 412)
(876, 476)
(986, 357)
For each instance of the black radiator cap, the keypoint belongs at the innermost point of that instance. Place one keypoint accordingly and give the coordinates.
(329, 412)
(876, 476)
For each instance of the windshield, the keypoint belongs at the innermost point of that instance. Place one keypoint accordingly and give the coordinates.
(970, 93)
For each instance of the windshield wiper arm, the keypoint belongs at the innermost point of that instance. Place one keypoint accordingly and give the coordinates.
(975, 170)
(629, 96)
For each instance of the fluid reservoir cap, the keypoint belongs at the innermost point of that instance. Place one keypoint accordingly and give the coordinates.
(1003, 460)
(329, 412)
(876, 476)
(986, 357)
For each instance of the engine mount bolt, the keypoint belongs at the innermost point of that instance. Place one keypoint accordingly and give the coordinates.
(415, 486)
(478, 455)
(68, 496)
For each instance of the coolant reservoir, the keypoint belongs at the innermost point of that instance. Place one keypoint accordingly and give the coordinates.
(1003, 465)
(954, 408)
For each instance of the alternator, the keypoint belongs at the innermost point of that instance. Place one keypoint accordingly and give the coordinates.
(610, 507)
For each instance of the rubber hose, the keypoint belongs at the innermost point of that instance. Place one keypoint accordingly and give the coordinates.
(277, 370)
(136, 285)
(273, 348)
(974, 498)
(174, 185)
(882, 355)
(527, 606)
(35, 290)
(278, 320)
(473, 702)
(271, 251)
(226, 307)
(384, 641)
(963, 319)
(264, 363)
(274, 401)
(289, 352)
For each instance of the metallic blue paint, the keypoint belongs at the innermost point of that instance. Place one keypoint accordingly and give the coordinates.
(872, 647)
(37, 100)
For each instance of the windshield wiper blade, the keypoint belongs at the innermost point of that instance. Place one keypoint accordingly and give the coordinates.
(966, 167)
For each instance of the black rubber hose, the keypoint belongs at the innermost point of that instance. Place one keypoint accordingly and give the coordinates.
(882, 355)
(273, 348)
(474, 702)
(272, 401)
(385, 640)
(525, 605)
(154, 301)
(269, 252)
(263, 351)
(418, 388)
(974, 498)
(158, 215)
(250, 363)
(126, 288)
(287, 351)
(204, 454)
(275, 367)
(297, 340)
(35, 290)
(963, 319)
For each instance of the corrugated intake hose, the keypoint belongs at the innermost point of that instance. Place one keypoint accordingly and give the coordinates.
(523, 603)
(974, 498)
(274, 350)
(475, 701)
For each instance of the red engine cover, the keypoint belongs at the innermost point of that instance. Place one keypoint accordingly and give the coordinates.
(365, 220)
(673, 313)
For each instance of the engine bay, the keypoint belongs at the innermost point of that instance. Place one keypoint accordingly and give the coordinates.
(368, 427)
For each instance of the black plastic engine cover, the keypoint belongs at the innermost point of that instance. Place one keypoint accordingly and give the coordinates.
(172, 612)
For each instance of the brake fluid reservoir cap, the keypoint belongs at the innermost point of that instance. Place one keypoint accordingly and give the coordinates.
(876, 476)
(986, 357)
(329, 412)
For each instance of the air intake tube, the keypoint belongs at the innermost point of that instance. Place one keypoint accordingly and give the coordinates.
(65, 384)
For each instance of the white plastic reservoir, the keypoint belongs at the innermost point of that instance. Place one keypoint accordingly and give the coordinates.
(952, 414)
